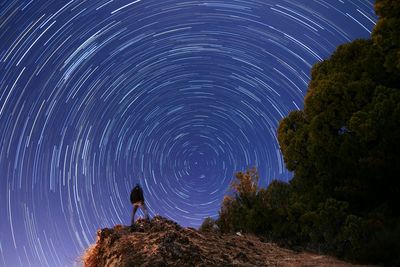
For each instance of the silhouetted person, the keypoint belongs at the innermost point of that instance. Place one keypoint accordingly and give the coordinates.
(137, 201)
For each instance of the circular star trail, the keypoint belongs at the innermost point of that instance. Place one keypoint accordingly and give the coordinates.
(96, 96)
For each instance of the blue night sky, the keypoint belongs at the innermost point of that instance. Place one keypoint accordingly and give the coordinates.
(177, 95)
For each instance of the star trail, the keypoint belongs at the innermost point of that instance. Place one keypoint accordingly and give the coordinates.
(96, 96)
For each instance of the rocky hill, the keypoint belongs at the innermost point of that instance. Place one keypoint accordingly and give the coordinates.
(161, 242)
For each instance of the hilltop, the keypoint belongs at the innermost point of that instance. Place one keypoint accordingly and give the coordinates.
(162, 242)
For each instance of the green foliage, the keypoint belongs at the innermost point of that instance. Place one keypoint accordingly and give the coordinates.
(386, 33)
(343, 149)
(208, 225)
(233, 210)
(343, 145)
(255, 210)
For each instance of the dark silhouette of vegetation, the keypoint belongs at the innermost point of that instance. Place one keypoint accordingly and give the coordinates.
(343, 149)
(209, 225)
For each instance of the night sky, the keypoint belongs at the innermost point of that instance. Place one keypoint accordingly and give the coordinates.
(96, 96)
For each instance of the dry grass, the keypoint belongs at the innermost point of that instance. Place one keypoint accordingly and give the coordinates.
(161, 242)
(89, 258)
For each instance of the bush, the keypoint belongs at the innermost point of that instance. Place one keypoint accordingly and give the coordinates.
(209, 225)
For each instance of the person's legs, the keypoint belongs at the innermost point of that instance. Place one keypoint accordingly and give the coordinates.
(135, 207)
(145, 211)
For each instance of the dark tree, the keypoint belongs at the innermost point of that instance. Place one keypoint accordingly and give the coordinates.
(343, 149)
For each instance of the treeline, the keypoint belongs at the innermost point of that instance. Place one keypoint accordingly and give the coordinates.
(344, 151)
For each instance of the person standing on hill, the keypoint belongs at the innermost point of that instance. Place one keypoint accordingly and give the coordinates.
(137, 201)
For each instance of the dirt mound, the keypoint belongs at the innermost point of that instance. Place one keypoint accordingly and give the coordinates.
(161, 242)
